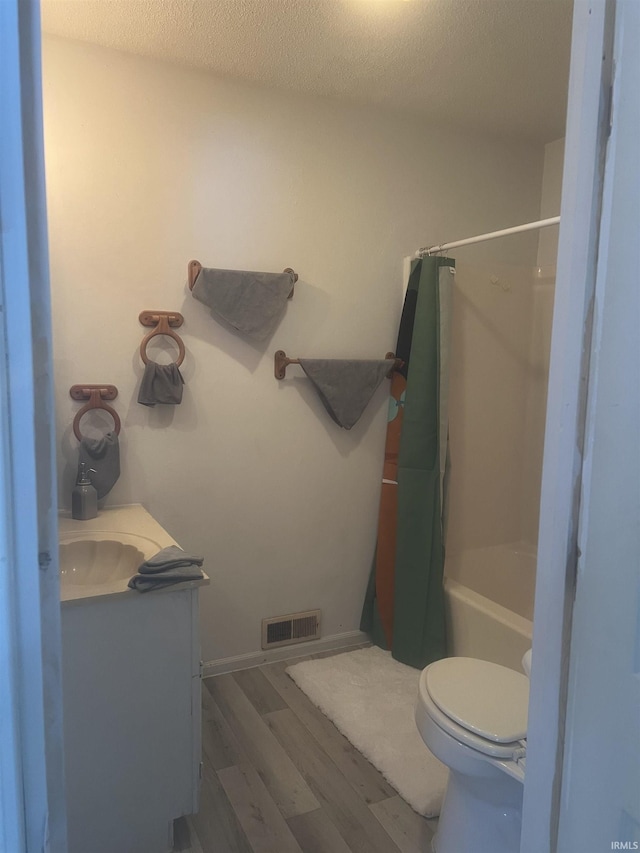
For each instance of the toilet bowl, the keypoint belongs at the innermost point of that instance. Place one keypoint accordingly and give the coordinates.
(472, 714)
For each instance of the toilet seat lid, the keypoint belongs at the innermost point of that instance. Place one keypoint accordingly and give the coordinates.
(482, 697)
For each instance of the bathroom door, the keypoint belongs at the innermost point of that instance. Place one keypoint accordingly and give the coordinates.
(32, 813)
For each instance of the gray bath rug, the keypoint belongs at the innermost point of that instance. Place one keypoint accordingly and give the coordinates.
(371, 699)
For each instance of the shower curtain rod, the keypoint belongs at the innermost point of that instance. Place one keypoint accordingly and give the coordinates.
(517, 229)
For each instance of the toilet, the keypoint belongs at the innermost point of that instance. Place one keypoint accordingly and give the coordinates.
(472, 714)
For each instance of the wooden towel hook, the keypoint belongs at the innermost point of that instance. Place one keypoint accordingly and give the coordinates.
(194, 269)
(281, 361)
(96, 395)
(162, 321)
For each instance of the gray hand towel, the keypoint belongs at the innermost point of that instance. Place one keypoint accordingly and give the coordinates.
(169, 566)
(251, 302)
(161, 383)
(171, 557)
(144, 583)
(346, 386)
(103, 455)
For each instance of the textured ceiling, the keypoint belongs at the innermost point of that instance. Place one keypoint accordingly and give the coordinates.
(493, 65)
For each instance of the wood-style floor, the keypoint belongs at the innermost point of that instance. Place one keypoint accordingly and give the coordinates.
(279, 777)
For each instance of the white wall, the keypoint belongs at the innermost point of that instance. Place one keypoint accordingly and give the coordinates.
(150, 165)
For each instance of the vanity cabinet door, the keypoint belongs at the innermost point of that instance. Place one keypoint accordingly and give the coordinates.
(131, 724)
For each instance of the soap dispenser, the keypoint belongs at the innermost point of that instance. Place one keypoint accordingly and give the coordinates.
(84, 498)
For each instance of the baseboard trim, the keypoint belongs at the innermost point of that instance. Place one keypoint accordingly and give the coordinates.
(252, 659)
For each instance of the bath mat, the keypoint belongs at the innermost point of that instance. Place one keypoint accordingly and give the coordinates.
(371, 698)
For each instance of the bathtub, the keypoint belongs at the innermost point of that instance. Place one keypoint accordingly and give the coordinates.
(489, 603)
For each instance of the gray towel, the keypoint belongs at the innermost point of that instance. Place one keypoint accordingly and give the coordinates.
(170, 566)
(172, 557)
(251, 302)
(145, 583)
(161, 383)
(346, 386)
(103, 455)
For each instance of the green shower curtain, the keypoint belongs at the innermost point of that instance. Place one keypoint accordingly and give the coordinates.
(404, 604)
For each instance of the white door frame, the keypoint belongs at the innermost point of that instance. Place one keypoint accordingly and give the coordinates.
(585, 147)
(602, 739)
(31, 772)
(32, 812)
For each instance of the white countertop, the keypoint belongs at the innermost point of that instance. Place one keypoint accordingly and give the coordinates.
(132, 520)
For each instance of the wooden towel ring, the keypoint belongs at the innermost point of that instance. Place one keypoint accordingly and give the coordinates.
(96, 394)
(162, 320)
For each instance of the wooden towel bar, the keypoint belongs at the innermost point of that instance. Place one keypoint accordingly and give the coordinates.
(281, 361)
(195, 267)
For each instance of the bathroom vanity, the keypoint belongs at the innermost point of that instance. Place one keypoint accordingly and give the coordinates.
(131, 687)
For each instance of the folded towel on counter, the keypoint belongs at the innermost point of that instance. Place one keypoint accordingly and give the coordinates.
(172, 557)
(161, 383)
(103, 456)
(170, 566)
(145, 583)
(251, 302)
(346, 386)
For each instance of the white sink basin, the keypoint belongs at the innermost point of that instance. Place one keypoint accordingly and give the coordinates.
(99, 558)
